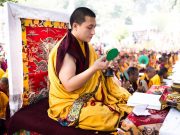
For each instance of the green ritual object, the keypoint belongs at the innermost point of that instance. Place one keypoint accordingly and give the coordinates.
(113, 53)
(143, 59)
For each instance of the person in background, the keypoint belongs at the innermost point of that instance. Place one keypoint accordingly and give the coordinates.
(3, 66)
(131, 82)
(145, 79)
(158, 78)
(152, 60)
(3, 103)
(4, 85)
(123, 65)
(3, 63)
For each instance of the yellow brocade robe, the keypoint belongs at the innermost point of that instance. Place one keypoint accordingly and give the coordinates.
(101, 112)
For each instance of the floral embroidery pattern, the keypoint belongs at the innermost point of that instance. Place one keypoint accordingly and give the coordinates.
(77, 105)
(73, 116)
(39, 37)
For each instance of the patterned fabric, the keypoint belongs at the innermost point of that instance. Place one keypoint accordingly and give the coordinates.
(38, 37)
(146, 125)
(73, 116)
(157, 89)
(24, 132)
(170, 98)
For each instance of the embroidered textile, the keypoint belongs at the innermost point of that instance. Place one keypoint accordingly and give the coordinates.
(39, 36)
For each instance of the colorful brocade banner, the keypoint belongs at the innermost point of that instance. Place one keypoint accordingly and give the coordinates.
(38, 38)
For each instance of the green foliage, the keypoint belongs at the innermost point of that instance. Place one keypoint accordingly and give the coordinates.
(3, 1)
(113, 16)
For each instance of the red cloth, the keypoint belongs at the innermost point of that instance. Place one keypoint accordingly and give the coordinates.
(35, 118)
(155, 89)
(71, 46)
(4, 65)
(155, 117)
(39, 42)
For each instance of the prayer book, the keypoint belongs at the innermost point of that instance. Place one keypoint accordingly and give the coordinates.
(151, 100)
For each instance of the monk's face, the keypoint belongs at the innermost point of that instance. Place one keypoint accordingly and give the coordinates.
(86, 30)
(3, 87)
(151, 73)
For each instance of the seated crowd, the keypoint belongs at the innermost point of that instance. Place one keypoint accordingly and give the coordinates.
(139, 78)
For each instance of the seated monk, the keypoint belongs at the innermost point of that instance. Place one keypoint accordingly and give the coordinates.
(149, 73)
(3, 105)
(131, 82)
(123, 65)
(4, 85)
(79, 93)
(158, 78)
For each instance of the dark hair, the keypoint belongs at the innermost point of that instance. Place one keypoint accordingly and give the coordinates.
(126, 55)
(149, 69)
(79, 14)
(5, 80)
(132, 70)
(162, 71)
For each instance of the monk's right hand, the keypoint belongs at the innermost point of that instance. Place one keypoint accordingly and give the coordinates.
(101, 63)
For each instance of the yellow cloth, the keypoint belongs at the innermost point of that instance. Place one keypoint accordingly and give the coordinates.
(82, 47)
(155, 80)
(144, 76)
(1, 73)
(96, 116)
(152, 62)
(3, 104)
(169, 67)
(123, 67)
(5, 74)
(144, 80)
